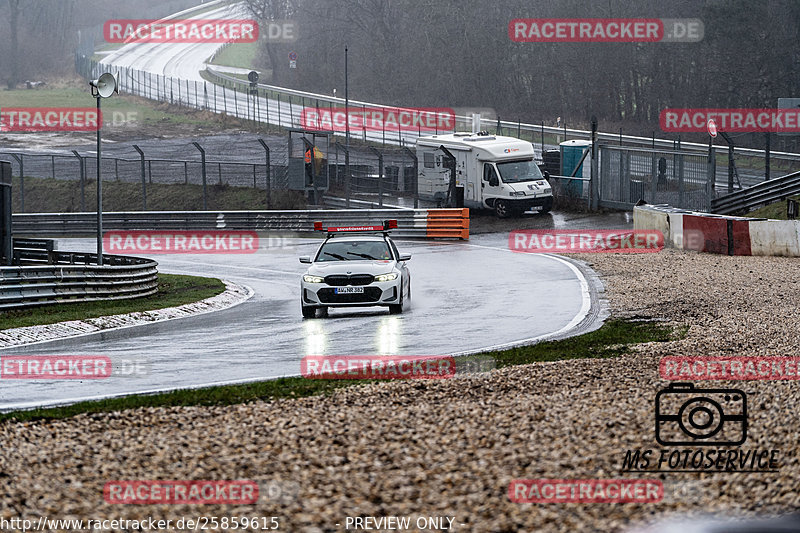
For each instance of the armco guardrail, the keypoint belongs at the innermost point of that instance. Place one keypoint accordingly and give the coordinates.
(72, 276)
(764, 193)
(424, 223)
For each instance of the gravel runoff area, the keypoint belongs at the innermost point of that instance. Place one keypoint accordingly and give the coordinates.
(451, 447)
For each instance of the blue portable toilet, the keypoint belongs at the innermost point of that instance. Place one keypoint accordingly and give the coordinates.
(571, 153)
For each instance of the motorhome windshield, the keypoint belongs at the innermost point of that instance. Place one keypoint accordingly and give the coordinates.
(518, 171)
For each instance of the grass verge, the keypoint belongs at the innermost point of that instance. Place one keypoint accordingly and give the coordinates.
(173, 290)
(48, 195)
(613, 339)
(775, 210)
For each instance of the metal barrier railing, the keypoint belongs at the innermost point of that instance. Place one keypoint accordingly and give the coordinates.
(50, 277)
(411, 222)
(764, 193)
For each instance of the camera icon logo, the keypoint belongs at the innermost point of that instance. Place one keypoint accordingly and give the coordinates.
(686, 416)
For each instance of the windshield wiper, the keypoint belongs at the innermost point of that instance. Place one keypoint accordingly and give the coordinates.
(336, 256)
(365, 256)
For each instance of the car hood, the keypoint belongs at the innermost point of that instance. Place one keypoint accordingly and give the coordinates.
(529, 187)
(351, 267)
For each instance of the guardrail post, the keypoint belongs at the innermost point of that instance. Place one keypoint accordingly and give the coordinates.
(144, 182)
(766, 156)
(83, 179)
(269, 177)
(21, 161)
(203, 163)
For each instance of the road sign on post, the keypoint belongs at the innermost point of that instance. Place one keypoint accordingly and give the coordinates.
(712, 127)
(788, 103)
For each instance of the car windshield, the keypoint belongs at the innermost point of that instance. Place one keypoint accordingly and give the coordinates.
(518, 171)
(334, 250)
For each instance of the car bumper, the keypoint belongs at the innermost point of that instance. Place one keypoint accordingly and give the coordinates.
(523, 204)
(376, 293)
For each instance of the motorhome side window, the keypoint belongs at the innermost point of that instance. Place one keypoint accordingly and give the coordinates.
(428, 160)
(489, 172)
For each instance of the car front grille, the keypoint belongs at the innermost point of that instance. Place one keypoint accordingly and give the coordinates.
(370, 295)
(342, 280)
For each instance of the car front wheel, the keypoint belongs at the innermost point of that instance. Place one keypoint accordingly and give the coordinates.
(396, 309)
(309, 312)
(502, 209)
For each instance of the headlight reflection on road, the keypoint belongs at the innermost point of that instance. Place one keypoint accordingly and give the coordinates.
(388, 335)
(315, 337)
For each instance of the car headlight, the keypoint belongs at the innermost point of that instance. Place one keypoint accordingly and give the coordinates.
(517, 193)
(312, 279)
(386, 277)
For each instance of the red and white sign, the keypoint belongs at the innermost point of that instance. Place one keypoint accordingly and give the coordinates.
(181, 31)
(55, 367)
(733, 368)
(420, 119)
(377, 367)
(586, 490)
(585, 241)
(730, 120)
(181, 492)
(712, 128)
(180, 242)
(32, 119)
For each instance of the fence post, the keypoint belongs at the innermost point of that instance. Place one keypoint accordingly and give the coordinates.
(224, 100)
(21, 160)
(416, 170)
(144, 182)
(269, 178)
(543, 139)
(766, 157)
(186, 173)
(380, 174)
(83, 179)
(203, 172)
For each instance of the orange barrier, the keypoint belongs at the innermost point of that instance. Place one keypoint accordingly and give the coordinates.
(448, 223)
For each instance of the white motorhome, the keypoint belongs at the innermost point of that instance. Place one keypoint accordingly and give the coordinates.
(495, 172)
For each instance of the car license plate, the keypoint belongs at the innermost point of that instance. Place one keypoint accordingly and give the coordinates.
(349, 290)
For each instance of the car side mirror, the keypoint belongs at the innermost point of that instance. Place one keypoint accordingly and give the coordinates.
(305, 259)
(404, 257)
(546, 175)
(494, 182)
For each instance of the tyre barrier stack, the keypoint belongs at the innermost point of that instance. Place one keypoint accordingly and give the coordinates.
(719, 234)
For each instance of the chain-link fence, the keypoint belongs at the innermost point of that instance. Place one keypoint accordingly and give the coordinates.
(680, 179)
(189, 164)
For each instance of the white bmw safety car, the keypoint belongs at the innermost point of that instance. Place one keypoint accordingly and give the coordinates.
(355, 266)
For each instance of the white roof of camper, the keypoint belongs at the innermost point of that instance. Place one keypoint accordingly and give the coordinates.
(493, 146)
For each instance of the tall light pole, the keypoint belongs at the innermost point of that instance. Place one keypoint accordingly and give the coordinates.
(346, 132)
(102, 87)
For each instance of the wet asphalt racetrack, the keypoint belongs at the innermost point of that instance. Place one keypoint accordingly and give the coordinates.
(466, 296)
